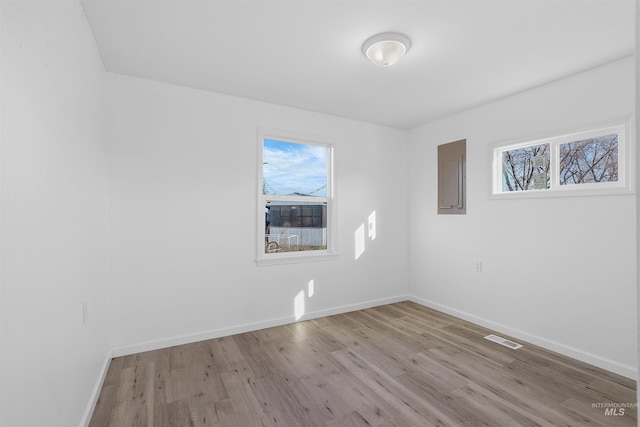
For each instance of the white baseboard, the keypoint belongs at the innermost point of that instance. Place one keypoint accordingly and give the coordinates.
(248, 327)
(95, 393)
(592, 359)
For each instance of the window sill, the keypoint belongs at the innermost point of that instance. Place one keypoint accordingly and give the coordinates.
(295, 258)
(539, 194)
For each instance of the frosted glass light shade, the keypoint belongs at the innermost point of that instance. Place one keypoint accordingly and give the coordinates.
(386, 49)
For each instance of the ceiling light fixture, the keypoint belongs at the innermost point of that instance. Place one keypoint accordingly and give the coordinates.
(386, 49)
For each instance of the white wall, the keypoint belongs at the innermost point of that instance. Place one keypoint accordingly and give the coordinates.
(552, 274)
(183, 182)
(54, 202)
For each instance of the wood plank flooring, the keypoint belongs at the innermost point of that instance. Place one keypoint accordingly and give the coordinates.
(395, 365)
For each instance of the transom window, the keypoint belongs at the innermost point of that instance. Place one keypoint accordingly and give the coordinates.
(593, 162)
(295, 200)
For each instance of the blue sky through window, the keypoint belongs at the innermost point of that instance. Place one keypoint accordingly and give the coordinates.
(289, 168)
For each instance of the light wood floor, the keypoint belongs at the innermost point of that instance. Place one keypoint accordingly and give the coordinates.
(396, 365)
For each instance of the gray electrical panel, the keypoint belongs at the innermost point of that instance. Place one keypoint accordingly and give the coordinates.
(452, 177)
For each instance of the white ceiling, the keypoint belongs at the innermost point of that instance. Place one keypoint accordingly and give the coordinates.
(307, 54)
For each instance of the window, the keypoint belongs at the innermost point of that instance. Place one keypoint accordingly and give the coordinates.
(592, 162)
(295, 198)
(526, 168)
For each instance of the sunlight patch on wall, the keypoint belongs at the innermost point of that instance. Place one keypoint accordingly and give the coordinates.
(298, 305)
(359, 236)
(311, 288)
(372, 225)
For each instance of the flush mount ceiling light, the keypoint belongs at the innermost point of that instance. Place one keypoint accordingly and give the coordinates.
(386, 49)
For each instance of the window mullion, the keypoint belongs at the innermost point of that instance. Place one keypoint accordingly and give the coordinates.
(554, 165)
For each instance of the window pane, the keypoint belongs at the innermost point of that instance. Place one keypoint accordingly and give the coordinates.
(589, 161)
(526, 168)
(290, 169)
(295, 226)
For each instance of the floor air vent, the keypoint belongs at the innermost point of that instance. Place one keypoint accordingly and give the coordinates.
(503, 341)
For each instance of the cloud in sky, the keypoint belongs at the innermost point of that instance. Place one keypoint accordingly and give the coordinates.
(294, 168)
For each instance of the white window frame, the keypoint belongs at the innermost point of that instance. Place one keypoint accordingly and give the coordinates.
(330, 253)
(626, 173)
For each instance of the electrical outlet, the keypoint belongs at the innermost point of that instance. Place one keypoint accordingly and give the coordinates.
(478, 267)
